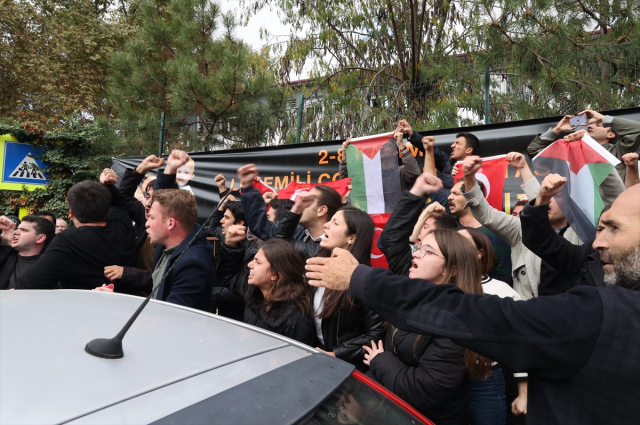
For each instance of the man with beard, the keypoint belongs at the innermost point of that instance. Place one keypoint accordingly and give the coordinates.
(580, 348)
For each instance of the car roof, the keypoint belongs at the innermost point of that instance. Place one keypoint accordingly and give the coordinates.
(47, 377)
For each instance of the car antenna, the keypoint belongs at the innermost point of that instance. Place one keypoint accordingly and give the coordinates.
(112, 348)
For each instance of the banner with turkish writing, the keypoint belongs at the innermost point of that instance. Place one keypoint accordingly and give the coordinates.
(492, 174)
(294, 188)
(377, 257)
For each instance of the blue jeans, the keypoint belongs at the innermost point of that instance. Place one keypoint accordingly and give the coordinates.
(487, 401)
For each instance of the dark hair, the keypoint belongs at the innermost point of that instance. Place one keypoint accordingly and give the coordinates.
(89, 201)
(290, 285)
(471, 141)
(330, 198)
(236, 210)
(179, 204)
(483, 244)
(463, 269)
(149, 185)
(358, 223)
(521, 203)
(47, 213)
(280, 206)
(445, 221)
(42, 226)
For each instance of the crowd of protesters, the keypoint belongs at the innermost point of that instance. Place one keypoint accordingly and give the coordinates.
(482, 317)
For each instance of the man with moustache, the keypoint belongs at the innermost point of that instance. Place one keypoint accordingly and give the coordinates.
(579, 348)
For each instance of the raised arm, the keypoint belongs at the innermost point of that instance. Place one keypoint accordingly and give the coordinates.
(545, 139)
(539, 236)
(631, 163)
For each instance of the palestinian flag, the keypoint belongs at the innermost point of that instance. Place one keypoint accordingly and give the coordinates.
(294, 188)
(586, 165)
(492, 175)
(365, 169)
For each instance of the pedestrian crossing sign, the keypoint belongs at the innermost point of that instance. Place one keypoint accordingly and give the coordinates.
(20, 165)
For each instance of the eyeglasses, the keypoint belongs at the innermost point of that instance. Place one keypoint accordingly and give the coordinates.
(423, 251)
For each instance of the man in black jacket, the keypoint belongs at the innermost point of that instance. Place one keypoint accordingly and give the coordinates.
(579, 348)
(102, 235)
(312, 221)
(578, 264)
(465, 144)
(24, 246)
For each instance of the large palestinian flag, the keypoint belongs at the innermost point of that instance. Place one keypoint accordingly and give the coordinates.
(365, 169)
(586, 165)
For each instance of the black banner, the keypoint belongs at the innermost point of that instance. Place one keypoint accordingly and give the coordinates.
(318, 162)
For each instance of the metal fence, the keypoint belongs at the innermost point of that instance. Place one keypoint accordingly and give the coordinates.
(466, 92)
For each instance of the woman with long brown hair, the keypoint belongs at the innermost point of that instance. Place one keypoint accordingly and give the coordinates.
(277, 298)
(431, 373)
(342, 325)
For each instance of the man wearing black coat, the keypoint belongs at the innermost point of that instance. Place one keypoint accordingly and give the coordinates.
(102, 235)
(579, 348)
(578, 264)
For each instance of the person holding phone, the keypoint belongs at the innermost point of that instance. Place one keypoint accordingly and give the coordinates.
(619, 136)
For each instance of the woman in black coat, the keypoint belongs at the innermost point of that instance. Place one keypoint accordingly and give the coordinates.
(427, 372)
(276, 297)
(342, 324)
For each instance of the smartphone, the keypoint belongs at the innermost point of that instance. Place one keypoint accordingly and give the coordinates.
(578, 120)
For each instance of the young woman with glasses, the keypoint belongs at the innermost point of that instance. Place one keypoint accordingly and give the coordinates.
(431, 373)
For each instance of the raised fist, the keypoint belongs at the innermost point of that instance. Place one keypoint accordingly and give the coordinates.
(550, 187)
(516, 160)
(428, 142)
(630, 159)
(235, 234)
(247, 174)
(108, 177)
(176, 159)
(149, 163)
(471, 165)
(6, 224)
(399, 135)
(268, 196)
(303, 201)
(426, 183)
(574, 137)
(435, 209)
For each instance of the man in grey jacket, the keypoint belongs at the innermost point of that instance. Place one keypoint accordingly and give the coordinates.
(526, 266)
(617, 135)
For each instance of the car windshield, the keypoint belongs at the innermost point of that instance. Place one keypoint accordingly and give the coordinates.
(354, 402)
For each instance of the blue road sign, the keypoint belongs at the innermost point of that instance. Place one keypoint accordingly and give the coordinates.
(20, 167)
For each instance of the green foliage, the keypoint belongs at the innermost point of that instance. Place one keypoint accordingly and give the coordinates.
(54, 57)
(186, 62)
(71, 156)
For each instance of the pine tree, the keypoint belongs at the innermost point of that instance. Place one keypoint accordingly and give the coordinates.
(186, 62)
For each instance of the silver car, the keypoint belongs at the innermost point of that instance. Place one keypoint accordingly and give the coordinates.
(180, 366)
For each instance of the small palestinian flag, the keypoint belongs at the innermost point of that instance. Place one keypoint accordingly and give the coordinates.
(372, 163)
(586, 165)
